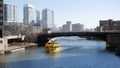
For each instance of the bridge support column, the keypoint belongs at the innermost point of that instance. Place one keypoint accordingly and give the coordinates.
(42, 40)
(3, 45)
(113, 42)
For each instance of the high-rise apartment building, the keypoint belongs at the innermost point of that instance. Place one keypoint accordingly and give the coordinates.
(67, 27)
(10, 13)
(47, 19)
(77, 27)
(38, 20)
(1, 18)
(28, 13)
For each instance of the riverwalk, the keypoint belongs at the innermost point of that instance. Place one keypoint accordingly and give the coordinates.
(18, 46)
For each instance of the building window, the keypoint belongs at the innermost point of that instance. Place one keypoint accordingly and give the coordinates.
(1, 5)
(1, 17)
(1, 14)
(1, 8)
(1, 23)
(1, 41)
(1, 20)
(1, 11)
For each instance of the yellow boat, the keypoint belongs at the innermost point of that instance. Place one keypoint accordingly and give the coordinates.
(52, 47)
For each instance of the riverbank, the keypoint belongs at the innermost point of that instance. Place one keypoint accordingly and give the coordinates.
(17, 47)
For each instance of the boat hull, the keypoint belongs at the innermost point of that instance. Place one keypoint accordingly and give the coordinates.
(52, 47)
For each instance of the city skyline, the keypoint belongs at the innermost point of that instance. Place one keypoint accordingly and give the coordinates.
(86, 12)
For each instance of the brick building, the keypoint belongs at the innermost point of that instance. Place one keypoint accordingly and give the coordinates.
(109, 26)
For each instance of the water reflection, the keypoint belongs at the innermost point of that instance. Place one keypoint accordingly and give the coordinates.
(53, 55)
(3, 65)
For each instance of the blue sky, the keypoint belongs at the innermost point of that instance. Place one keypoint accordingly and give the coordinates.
(87, 12)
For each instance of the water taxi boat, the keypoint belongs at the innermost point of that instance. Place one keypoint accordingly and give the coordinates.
(52, 47)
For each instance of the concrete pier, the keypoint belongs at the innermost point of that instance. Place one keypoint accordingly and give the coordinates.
(113, 42)
(6, 47)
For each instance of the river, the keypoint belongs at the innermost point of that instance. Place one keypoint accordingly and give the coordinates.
(76, 53)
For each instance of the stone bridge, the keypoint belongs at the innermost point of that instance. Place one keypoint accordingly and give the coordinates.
(112, 39)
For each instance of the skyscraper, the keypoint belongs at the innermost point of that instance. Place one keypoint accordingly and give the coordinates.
(28, 13)
(1, 18)
(38, 17)
(47, 18)
(10, 13)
